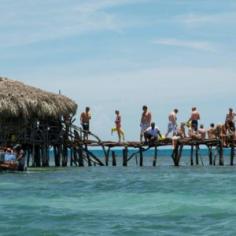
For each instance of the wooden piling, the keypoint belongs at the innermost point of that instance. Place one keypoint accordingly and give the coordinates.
(155, 156)
(221, 157)
(80, 153)
(197, 155)
(107, 154)
(141, 156)
(113, 158)
(125, 156)
(191, 158)
(232, 151)
(210, 155)
(87, 155)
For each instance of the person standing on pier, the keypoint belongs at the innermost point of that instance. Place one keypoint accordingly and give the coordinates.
(118, 128)
(85, 118)
(172, 125)
(194, 118)
(145, 121)
(230, 116)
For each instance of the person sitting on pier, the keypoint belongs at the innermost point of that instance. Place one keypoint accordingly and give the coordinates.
(193, 132)
(202, 132)
(211, 132)
(118, 128)
(230, 129)
(172, 125)
(180, 133)
(151, 133)
(145, 121)
(85, 118)
(194, 118)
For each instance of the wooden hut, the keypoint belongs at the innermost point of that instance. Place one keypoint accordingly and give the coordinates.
(35, 119)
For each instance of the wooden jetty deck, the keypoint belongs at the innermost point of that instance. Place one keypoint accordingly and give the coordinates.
(215, 149)
(71, 146)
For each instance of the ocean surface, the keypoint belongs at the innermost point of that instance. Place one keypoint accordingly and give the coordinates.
(133, 200)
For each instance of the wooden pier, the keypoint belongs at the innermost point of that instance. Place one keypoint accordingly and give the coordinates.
(214, 146)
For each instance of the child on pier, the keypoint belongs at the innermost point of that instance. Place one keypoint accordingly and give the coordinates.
(118, 128)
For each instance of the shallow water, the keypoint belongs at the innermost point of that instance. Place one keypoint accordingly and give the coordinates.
(119, 201)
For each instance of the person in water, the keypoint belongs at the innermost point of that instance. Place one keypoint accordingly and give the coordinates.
(151, 133)
(194, 118)
(117, 127)
(172, 125)
(85, 118)
(145, 121)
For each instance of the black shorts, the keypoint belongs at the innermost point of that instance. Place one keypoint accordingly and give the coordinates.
(85, 126)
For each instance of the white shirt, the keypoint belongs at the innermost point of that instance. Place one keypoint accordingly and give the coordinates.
(154, 132)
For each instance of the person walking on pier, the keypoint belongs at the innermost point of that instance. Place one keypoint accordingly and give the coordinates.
(145, 121)
(118, 128)
(85, 118)
(151, 133)
(172, 125)
(194, 118)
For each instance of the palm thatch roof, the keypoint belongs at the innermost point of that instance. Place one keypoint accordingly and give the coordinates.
(20, 100)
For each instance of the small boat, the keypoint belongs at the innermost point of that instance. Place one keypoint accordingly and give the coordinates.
(9, 166)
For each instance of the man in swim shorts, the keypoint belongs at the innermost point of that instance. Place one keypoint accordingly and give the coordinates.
(172, 125)
(145, 121)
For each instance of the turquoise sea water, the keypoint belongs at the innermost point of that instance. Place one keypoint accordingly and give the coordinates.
(162, 200)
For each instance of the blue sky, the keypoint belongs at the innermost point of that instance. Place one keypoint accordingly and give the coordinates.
(122, 54)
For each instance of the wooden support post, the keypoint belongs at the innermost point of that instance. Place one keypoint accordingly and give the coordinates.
(179, 154)
(141, 156)
(37, 156)
(71, 156)
(113, 158)
(80, 153)
(197, 155)
(57, 155)
(155, 156)
(221, 154)
(28, 156)
(87, 155)
(107, 154)
(191, 158)
(125, 156)
(75, 158)
(65, 156)
(210, 155)
(232, 153)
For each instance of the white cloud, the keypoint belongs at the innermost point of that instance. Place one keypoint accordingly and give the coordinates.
(25, 22)
(193, 20)
(198, 45)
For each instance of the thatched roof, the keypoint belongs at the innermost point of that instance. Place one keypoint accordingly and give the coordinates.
(20, 100)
